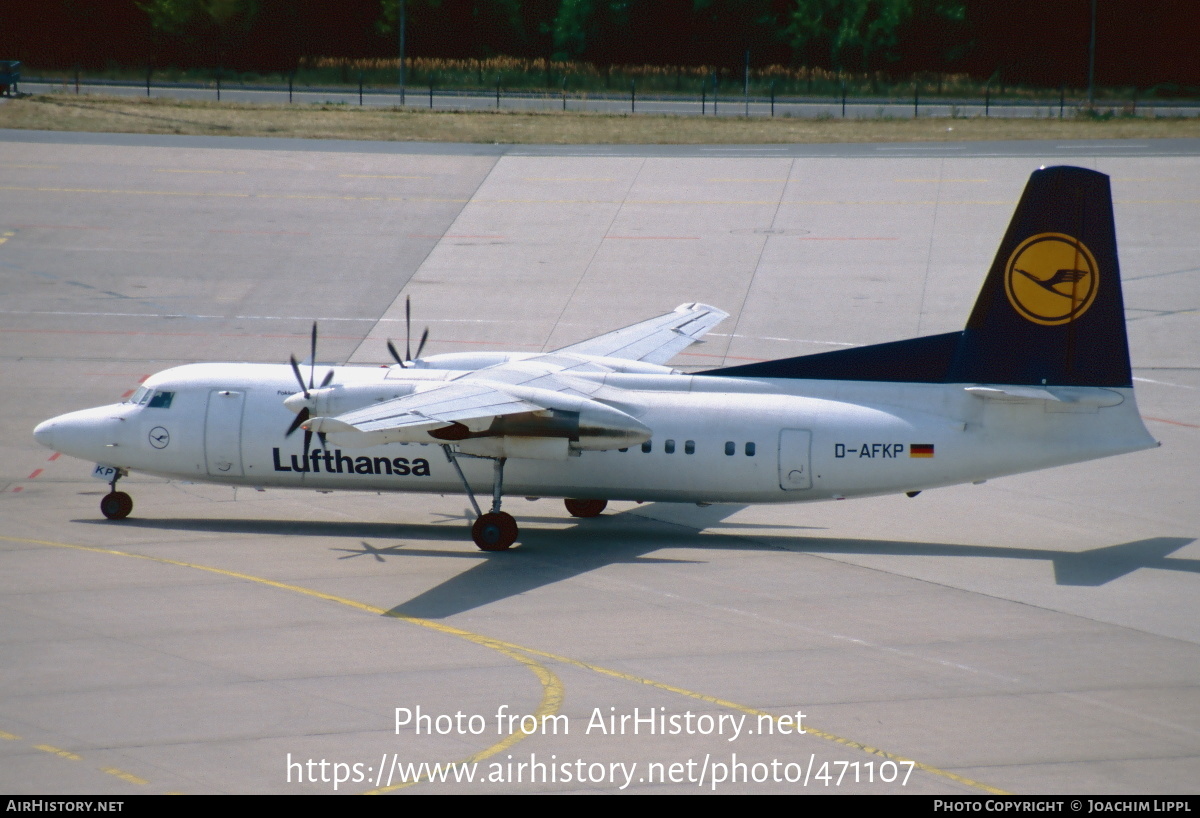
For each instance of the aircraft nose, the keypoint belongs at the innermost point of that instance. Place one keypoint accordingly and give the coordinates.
(89, 434)
(44, 433)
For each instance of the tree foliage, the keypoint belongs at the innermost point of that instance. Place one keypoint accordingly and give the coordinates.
(1146, 43)
(211, 27)
(181, 16)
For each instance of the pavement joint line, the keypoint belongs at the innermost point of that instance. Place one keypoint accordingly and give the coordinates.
(444, 200)
(552, 687)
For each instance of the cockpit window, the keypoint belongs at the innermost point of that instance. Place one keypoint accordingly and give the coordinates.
(161, 400)
(140, 396)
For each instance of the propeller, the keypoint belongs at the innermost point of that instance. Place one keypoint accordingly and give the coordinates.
(304, 414)
(408, 356)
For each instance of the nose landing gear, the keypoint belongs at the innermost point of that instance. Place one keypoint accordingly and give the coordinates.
(116, 505)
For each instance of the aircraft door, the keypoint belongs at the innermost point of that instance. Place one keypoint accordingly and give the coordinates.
(223, 433)
(795, 471)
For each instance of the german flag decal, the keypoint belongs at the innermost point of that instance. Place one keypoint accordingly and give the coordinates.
(920, 450)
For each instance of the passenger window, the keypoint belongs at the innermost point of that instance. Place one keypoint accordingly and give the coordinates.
(749, 450)
(669, 447)
(689, 447)
(730, 447)
(647, 446)
(161, 400)
(623, 450)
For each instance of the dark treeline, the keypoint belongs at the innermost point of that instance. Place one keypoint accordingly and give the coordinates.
(1015, 41)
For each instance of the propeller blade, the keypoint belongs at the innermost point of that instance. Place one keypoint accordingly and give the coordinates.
(424, 338)
(328, 378)
(301, 416)
(321, 437)
(313, 358)
(307, 442)
(299, 377)
(395, 354)
(407, 327)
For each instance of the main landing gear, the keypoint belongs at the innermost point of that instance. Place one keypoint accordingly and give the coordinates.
(496, 530)
(585, 508)
(116, 505)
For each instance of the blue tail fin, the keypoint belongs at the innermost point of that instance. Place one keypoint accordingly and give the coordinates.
(1050, 311)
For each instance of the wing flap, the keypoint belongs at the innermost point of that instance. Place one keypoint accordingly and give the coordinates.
(448, 403)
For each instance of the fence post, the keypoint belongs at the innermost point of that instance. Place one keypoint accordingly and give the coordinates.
(431, 90)
(632, 98)
(916, 99)
(843, 98)
(772, 97)
(564, 91)
(1062, 100)
(148, 70)
(746, 84)
(714, 76)
(360, 89)
(987, 101)
(291, 77)
(497, 92)
(218, 85)
(703, 98)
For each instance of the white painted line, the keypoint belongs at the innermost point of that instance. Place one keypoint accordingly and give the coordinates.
(1097, 147)
(1164, 383)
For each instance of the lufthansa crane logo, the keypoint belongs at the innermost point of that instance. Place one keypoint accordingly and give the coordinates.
(1051, 279)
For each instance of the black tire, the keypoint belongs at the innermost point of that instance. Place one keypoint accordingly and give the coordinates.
(116, 505)
(585, 508)
(495, 532)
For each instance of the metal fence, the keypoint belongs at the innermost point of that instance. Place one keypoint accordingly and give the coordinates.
(707, 103)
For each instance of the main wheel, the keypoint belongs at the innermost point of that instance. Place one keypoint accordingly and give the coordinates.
(585, 508)
(495, 532)
(116, 505)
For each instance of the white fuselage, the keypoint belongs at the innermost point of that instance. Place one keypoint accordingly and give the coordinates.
(715, 439)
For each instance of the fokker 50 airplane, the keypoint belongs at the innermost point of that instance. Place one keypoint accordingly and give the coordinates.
(1040, 377)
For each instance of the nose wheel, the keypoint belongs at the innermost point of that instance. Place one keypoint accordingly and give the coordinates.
(116, 505)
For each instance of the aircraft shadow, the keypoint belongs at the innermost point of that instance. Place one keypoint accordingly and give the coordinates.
(548, 556)
(1094, 567)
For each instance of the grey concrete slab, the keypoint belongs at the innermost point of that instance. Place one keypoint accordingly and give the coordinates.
(1034, 634)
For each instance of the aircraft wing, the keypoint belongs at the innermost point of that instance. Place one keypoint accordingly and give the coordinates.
(474, 404)
(656, 340)
(476, 407)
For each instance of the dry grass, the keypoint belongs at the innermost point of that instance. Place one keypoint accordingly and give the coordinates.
(164, 116)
